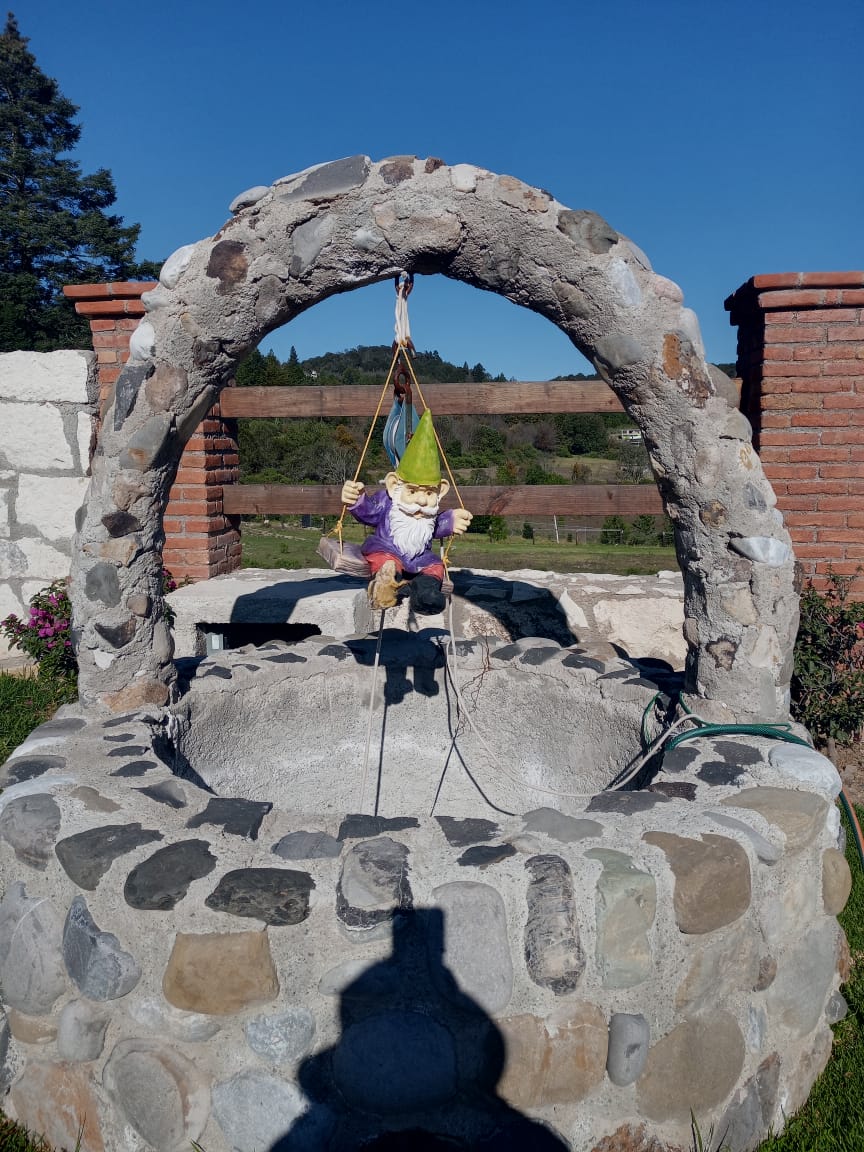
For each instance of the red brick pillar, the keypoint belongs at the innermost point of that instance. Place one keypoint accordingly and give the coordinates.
(801, 362)
(200, 540)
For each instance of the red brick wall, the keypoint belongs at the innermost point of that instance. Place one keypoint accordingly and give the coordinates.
(801, 361)
(200, 540)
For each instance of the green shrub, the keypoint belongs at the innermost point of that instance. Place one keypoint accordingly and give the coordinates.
(614, 530)
(498, 530)
(828, 680)
(527, 531)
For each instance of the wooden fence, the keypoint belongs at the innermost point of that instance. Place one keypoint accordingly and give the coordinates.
(520, 398)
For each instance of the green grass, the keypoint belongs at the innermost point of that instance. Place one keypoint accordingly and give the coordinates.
(275, 546)
(25, 702)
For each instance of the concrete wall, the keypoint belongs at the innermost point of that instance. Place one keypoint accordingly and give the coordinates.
(48, 403)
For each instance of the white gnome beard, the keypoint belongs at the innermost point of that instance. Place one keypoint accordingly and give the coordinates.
(411, 533)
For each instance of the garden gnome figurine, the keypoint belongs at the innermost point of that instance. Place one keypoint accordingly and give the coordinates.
(406, 518)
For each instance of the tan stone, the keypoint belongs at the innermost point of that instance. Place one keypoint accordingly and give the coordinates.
(844, 957)
(31, 1029)
(57, 1100)
(139, 604)
(117, 551)
(137, 693)
(811, 1063)
(219, 972)
(694, 1067)
(513, 191)
(800, 816)
(126, 492)
(630, 1139)
(836, 881)
(558, 1060)
(738, 603)
(720, 968)
(92, 800)
(164, 386)
(712, 879)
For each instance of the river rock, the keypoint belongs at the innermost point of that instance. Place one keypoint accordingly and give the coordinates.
(87, 856)
(476, 950)
(308, 846)
(81, 1031)
(629, 1038)
(805, 973)
(555, 1061)
(237, 817)
(712, 879)
(836, 881)
(101, 969)
(29, 824)
(220, 973)
(800, 816)
(32, 974)
(278, 896)
(553, 953)
(58, 1101)
(32, 1029)
(258, 1111)
(161, 881)
(557, 826)
(626, 904)
(692, 1069)
(161, 1093)
(373, 883)
(284, 1037)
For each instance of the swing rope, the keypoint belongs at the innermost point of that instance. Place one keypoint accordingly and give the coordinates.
(402, 347)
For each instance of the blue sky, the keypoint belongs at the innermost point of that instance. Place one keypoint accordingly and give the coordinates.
(722, 137)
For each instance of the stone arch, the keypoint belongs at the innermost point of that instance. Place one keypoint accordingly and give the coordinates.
(353, 222)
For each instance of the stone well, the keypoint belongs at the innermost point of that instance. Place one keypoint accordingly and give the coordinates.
(190, 950)
(204, 934)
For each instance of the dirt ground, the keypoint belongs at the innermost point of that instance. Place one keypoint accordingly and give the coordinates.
(850, 762)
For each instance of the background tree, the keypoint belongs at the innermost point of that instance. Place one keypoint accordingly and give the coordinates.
(54, 229)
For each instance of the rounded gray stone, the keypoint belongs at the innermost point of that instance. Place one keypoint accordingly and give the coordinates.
(101, 584)
(161, 1093)
(277, 896)
(248, 198)
(162, 1017)
(553, 953)
(281, 1038)
(564, 829)
(396, 1062)
(805, 972)
(476, 950)
(257, 1112)
(29, 824)
(32, 974)
(81, 1031)
(629, 1040)
(100, 968)
(307, 846)
(373, 883)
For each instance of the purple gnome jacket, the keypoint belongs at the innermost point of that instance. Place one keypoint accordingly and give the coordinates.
(375, 511)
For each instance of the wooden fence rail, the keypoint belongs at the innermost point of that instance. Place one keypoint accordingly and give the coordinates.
(519, 500)
(523, 397)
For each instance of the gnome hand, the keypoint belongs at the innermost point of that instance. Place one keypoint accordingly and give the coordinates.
(352, 490)
(461, 519)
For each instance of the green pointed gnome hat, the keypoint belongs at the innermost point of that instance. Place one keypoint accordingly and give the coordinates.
(420, 463)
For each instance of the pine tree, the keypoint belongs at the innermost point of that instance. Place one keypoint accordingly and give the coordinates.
(54, 229)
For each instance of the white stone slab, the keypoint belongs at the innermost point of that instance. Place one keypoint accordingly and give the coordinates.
(49, 503)
(85, 439)
(44, 376)
(4, 513)
(32, 436)
(43, 561)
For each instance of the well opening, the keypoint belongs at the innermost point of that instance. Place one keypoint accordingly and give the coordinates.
(545, 729)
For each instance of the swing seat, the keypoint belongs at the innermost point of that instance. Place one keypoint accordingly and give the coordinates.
(349, 559)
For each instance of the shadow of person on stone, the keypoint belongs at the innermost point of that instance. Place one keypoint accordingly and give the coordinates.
(416, 1065)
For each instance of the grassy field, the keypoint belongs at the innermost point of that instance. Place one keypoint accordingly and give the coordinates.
(276, 546)
(26, 701)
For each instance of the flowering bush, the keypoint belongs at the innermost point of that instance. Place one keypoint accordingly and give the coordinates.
(45, 634)
(828, 681)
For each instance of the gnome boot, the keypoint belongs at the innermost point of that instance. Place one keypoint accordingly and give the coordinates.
(425, 596)
(383, 586)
